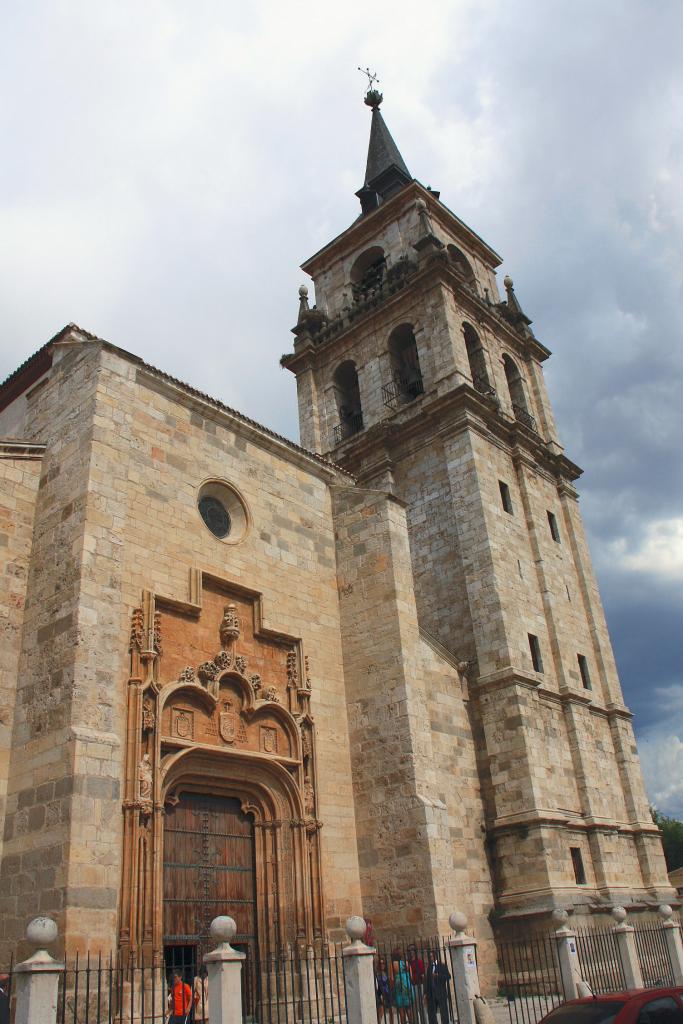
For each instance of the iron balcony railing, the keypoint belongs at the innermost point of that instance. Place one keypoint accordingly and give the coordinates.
(482, 385)
(402, 389)
(349, 426)
(522, 416)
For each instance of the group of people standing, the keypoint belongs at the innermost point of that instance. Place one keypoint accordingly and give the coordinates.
(405, 987)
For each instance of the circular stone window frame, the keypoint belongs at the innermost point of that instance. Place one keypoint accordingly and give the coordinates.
(235, 505)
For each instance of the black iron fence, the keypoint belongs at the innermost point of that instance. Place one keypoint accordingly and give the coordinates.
(653, 955)
(532, 980)
(402, 389)
(306, 987)
(600, 960)
(413, 985)
(523, 415)
(100, 990)
(413, 981)
(348, 426)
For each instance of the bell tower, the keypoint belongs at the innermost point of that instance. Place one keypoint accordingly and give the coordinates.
(417, 376)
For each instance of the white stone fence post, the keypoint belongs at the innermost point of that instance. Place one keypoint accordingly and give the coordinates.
(672, 937)
(37, 979)
(573, 984)
(628, 952)
(359, 979)
(224, 966)
(463, 951)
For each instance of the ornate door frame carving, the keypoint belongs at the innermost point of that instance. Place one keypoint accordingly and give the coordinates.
(256, 742)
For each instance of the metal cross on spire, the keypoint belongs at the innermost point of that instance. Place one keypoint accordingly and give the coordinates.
(371, 76)
(373, 97)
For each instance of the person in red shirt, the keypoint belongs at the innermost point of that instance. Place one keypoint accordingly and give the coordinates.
(369, 937)
(179, 1000)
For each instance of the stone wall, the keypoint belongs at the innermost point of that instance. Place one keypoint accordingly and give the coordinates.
(63, 811)
(397, 813)
(20, 467)
(116, 513)
(171, 443)
(421, 480)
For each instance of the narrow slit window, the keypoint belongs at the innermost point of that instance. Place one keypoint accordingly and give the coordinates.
(583, 669)
(577, 864)
(535, 649)
(505, 497)
(554, 528)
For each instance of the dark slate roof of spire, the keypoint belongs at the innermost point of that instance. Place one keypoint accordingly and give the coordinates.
(385, 172)
(383, 152)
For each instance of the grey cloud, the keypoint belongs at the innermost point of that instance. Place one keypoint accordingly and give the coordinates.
(167, 174)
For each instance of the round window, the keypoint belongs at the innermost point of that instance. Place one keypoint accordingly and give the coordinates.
(215, 515)
(223, 511)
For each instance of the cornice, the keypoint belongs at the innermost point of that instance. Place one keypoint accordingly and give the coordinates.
(12, 448)
(445, 416)
(372, 224)
(505, 678)
(443, 652)
(571, 821)
(212, 409)
(437, 270)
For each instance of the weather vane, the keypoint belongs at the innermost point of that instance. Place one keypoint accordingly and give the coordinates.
(373, 96)
(372, 78)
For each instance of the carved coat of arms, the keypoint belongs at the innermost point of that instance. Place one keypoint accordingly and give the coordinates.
(268, 739)
(227, 722)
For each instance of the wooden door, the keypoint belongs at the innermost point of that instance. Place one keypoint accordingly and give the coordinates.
(209, 869)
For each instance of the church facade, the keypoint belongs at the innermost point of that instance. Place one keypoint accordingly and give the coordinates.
(370, 674)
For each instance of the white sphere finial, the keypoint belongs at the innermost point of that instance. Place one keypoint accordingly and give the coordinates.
(507, 281)
(303, 291)
(619, 914)
(560, 917)
(41, 931)
(223, 929)
(355, 928)
(665, 911)
(458, 921)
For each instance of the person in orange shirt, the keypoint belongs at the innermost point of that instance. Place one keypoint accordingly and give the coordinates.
(179, 1000)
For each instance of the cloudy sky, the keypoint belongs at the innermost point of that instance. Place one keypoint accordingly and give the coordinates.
(168, 165)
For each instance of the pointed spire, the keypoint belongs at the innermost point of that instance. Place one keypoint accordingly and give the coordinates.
(385, 171)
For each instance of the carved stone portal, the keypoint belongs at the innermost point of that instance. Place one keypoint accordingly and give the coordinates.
(224, 711)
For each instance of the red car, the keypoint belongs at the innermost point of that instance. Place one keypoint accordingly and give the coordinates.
(639, 1006)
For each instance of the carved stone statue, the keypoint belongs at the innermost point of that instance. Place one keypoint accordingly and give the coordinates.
(148, 716)
(292, 672)
(230, 625)
(309, 797)
(424, 218)
(145, 778)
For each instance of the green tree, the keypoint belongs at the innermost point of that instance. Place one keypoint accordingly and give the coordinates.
(672, 838)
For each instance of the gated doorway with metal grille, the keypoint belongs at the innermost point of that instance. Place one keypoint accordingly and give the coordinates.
(209, 869)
